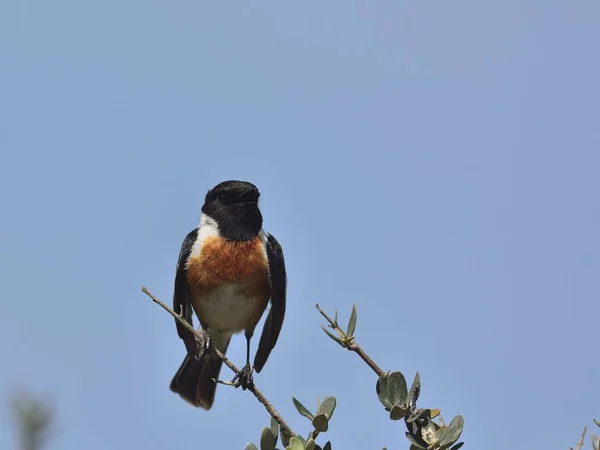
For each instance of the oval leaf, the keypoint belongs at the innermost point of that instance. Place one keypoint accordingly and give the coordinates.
(310, 445)
(396, 387)
(352, 322)
(296, 444)
(285, 437)
(441, 433)
(250, 446)
(327, 407)
(397, 412)
(267, 440)
(454, 431)
(275, 429)
(413, 442)
(435, 413)
(381, 388)
(321, 423)
(415, 390)
(302, 409)
(457, 446)
(335, 338)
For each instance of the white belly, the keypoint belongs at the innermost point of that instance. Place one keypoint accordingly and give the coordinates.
(226, 308)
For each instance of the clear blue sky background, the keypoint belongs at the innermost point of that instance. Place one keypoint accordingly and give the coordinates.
(437, 163)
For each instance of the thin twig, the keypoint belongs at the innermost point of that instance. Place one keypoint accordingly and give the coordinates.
(226, 383)
(252, 388)
(351, 344)
(580, 443)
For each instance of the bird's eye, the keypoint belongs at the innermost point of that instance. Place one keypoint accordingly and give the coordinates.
(219, 198)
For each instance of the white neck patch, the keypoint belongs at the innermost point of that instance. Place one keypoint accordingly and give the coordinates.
(207, 228)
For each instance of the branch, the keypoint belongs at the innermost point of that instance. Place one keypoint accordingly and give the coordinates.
(349, 343)
(400, 402)
(252, 388)
(580, 442)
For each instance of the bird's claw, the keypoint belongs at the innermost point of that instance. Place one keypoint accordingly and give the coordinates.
(203, 346)
(244, 379)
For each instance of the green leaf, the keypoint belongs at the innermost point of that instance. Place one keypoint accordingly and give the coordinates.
(267, 440)
(415, 390)
(453, 432)
(327, 407)
(327, 446)
(320, 423)
(352, 322)
(397, 412)
(382, 392)
(296, 444)
(435, 413)
(302, 409)
(441, 434)
(335, 338)
(310, 445)
(596, 422)
(413, 442)
(396, 387)
(250, 446)
(457, 446)
(275, 429)
(285, 437)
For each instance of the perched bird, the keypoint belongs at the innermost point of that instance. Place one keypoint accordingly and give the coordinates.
(228, 270)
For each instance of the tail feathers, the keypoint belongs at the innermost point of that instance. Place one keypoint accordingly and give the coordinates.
(194, 379)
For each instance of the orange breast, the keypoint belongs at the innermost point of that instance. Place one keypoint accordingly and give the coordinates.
(223, 261)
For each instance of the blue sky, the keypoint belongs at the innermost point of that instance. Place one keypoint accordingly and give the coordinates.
(435, 163)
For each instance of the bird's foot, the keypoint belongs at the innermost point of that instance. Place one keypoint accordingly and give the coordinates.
(204, 346)
(244, 379)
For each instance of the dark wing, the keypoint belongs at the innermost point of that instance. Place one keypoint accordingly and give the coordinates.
(274, 321)
(182, 296)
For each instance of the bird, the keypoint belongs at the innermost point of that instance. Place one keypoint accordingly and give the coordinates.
(228, 271)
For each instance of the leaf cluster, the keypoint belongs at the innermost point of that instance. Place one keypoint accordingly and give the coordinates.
(392, 390)
(423, 432)
(319, 421)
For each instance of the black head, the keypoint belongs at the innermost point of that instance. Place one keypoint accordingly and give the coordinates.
(234, 206)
